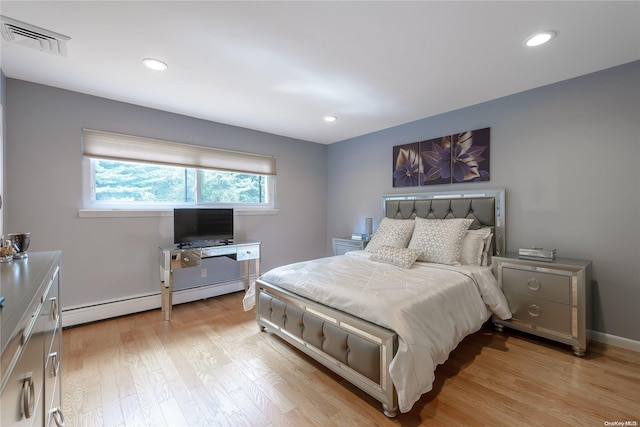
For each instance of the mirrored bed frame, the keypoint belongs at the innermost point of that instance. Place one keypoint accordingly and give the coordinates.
(355, 349)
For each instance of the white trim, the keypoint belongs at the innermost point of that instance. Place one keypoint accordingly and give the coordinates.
(107, 309)
(614, 340)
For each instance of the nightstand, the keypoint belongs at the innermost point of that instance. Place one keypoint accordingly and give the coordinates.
(548, 299)
(341, 245)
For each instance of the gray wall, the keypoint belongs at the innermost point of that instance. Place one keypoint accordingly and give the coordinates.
(567, 156)
(114, 258)
(2, 145)
(2, 142)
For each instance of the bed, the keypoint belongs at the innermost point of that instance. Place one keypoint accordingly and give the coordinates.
(386, 317)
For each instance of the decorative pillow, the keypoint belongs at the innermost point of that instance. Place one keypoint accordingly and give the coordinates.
(401, 257)
(474, 245)
(391, 232)
(439, 240)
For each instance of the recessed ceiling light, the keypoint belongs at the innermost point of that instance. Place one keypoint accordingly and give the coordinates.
(330, 118)
(155, 64)
(539, 38)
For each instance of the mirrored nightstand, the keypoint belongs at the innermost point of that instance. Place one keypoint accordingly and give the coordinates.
(341, 245)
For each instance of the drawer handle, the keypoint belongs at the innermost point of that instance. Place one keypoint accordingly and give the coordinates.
(58, 417)
(534, 284)
(28, 396)
(534, 310)
(54, 363)
(54, 308)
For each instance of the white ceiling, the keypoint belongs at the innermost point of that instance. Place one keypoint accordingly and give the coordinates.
(279, 67)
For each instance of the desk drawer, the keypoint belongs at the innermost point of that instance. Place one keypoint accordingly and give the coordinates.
(185, 259)
(536, 284)
(220, 250)
(248, 252)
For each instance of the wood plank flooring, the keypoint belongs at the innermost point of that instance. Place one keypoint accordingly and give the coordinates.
(211, 366)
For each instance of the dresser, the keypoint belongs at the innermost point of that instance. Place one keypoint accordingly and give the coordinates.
(342, 245)
(548, 299)
(31, 339)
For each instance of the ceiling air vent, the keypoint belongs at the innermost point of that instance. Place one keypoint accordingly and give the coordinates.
(29, 35)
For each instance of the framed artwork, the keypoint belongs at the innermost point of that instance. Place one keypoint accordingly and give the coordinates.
(461, 157)
(407, 166)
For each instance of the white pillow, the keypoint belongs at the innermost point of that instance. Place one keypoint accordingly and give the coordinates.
(391, 232)
(488, 252)
(400, 257)
(475, 244)
(439, 240)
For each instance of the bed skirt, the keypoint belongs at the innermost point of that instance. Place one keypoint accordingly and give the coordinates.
(357, 350)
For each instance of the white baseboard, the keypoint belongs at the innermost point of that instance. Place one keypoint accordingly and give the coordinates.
(615, 341)
(107, 309)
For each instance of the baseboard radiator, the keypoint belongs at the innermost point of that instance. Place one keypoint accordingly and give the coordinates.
(77, 315)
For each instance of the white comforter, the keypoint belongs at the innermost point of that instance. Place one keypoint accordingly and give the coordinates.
(431, 307)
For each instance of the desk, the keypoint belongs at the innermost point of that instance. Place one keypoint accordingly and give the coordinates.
(173, 258)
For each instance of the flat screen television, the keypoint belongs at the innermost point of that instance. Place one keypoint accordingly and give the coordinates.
(202, 225)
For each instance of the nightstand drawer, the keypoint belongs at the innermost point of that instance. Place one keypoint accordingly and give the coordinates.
(541, 313)
(554, 287)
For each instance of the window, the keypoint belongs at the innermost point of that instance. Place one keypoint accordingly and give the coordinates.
(123, 171)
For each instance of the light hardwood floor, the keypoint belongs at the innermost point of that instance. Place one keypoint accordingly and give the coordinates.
(211, 366)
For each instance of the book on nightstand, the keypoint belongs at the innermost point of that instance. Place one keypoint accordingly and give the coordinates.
(359, 236)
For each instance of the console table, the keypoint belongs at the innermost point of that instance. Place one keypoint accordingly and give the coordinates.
(174, 257)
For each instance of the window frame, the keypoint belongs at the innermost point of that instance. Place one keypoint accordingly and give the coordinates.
(91, 208)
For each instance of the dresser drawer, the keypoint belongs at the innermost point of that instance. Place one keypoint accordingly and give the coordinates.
(554, 287)
(21, 399)
(541, 313)
(248, 252)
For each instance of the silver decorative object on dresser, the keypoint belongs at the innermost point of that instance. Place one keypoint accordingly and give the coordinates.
(31, 339)
(548, 299)
(21, 242)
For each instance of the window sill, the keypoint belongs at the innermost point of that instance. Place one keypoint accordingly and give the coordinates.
(154, 213)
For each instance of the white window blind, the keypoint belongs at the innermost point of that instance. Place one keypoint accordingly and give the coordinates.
(113, 146)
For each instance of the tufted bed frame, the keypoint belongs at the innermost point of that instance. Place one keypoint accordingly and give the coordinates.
(355, 349)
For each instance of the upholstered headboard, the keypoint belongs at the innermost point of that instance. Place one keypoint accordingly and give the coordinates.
(486, 208)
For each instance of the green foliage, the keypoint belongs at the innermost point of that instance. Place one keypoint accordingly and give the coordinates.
(227, 187)
(139, 182)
